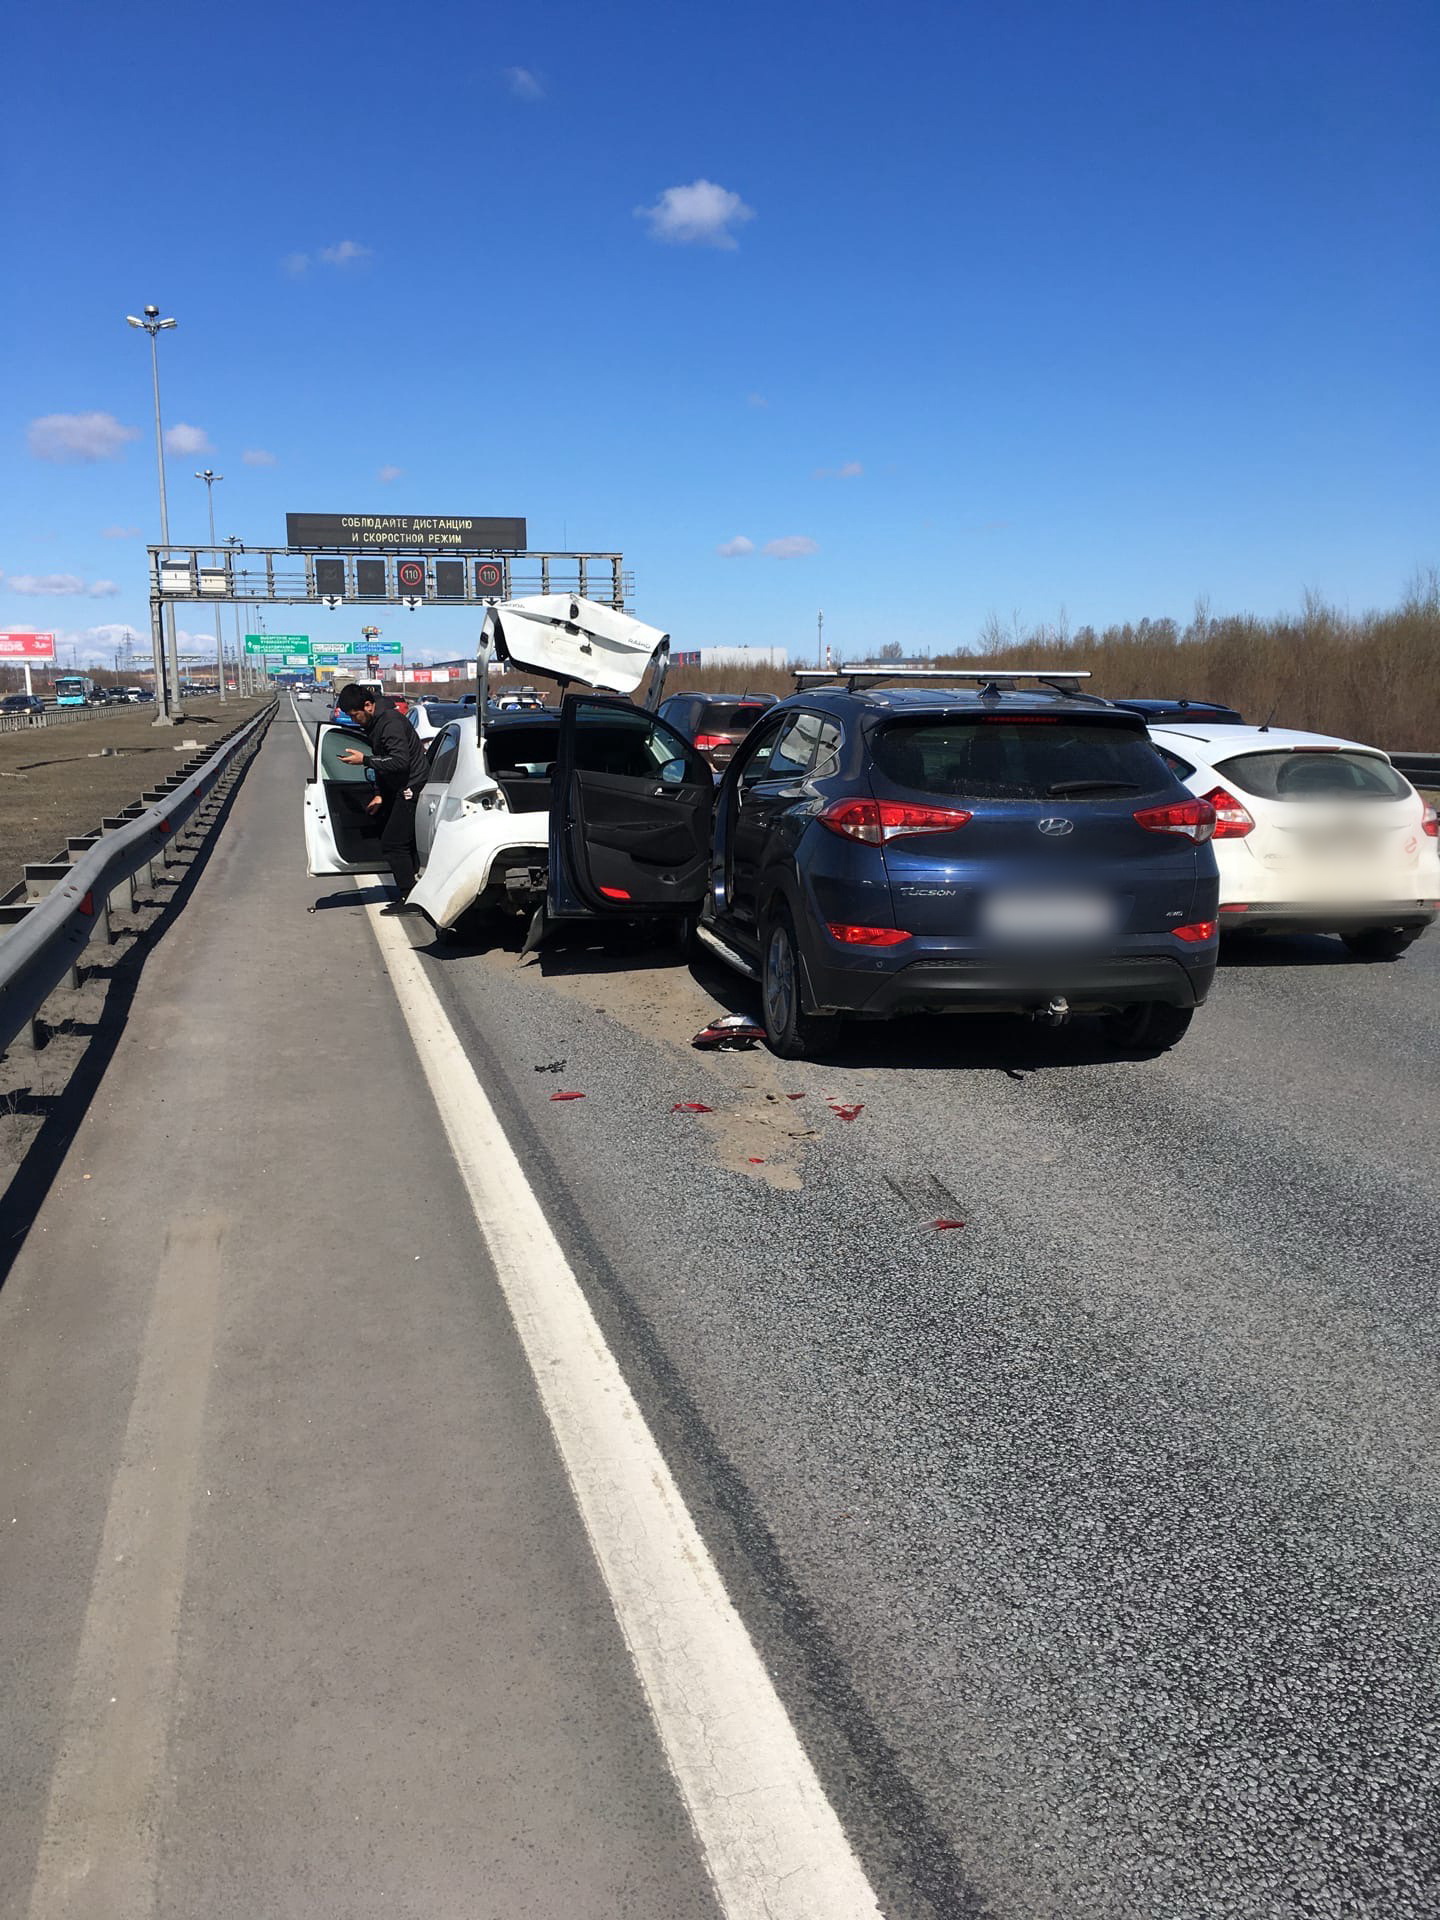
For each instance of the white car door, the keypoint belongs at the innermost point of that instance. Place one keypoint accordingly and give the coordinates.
(341, 834)
(432, 795)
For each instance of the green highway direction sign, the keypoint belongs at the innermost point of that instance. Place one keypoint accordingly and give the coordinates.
(279, 643)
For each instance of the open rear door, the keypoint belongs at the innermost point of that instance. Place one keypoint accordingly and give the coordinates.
(340, 836)
(630, 823)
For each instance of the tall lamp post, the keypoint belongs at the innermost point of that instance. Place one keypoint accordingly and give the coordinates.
(242, 665)
(167, 698)
(209, 476)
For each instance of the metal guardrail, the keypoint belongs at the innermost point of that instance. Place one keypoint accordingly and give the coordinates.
(43, 946)
(58, 717)
(1421, 768)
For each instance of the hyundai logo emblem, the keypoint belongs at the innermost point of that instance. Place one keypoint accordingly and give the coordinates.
(1055, 826)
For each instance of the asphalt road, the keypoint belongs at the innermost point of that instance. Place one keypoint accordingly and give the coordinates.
(1093, 1544)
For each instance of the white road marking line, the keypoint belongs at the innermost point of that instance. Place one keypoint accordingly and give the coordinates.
(305, 733)
(772, 1843)
(99, 1849)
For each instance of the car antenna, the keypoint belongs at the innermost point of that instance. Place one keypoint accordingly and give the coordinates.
(1265, 726)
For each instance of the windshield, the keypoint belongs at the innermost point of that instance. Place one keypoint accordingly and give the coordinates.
(1325, 773)
(1021, 759)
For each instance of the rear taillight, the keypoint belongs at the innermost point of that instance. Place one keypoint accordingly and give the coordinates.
(1197, 931)
(1195, 819)
(1232, 819)
(865, 936)
(1431, 821)
(876, 821)
(708, 742)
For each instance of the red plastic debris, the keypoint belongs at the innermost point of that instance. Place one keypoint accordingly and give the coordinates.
(794, 1096)
(567, 1096)
(691, 1106)
(944, 1226)
(843, 1112)
(733, 1032)
(756, 1163)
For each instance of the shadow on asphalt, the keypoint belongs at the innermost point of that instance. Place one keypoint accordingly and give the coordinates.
(354, 897)
(1240, 950)
(953, 1043)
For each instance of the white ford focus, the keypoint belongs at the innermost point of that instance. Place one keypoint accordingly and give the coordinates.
(1312, 835)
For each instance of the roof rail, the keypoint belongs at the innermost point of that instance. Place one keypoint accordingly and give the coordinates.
(996, 680)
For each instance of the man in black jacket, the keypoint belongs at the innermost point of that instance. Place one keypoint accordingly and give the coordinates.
(398, 760)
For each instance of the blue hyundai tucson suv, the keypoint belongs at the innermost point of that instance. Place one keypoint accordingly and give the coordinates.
(880, 849)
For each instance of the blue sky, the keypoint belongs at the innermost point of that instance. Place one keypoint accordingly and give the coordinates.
(971, 308)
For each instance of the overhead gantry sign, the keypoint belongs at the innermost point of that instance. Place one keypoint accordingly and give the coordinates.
(296, 576)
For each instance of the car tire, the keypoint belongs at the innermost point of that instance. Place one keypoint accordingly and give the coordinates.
(1150, 1027)
(790, 1032)
(1380, 943)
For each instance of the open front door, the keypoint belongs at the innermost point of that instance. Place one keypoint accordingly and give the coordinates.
(340, 835)
(630, 829)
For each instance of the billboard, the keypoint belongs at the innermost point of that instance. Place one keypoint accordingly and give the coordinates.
(405, 532)
(27, 646)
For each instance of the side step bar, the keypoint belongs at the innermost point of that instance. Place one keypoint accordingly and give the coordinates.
(730, 955)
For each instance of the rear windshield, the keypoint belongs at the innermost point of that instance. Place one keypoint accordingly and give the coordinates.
(1308, 775)
(1020, 760)
(731, 716)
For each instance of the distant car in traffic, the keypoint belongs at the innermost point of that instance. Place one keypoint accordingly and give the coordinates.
(716, 723)
(302, 693)
(1157, 713)
(1313, 834)
(429, 716)
(22, 703)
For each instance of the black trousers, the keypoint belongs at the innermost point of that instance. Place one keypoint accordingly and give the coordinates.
(397, 838)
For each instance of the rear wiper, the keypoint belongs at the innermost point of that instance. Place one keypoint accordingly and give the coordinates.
(1093, 786)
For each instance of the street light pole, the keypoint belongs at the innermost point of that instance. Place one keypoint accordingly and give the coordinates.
(242, 665)
(209, 476)
(167, 697)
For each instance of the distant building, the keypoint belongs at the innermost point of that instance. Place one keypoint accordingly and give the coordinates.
(737, 657)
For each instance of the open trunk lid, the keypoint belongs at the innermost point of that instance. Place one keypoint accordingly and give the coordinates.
(574, 640)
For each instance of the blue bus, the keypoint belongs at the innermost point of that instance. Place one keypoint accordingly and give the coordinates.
(74, 690)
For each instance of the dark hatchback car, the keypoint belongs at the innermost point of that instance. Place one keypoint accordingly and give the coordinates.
(716, 723)
(22, 703)
(874, 851)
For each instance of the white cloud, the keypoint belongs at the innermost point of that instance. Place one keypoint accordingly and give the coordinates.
(735, 549)
(756, 400)
(524, 84)
(97, 646)
(257, 457)
(345, 253)
(296, 264)
(183, 439)
(701, 214)
(794, 546)
(848, 470)
(387, 474)
(122, 533)
(67, 437)
(59, 586)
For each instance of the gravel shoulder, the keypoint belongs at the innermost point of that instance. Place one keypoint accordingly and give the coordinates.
(56, 781)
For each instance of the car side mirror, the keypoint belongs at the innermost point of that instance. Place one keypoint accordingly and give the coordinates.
(673, 773)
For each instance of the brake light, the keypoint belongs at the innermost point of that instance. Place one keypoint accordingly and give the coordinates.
(1430, 821)
(876, 821)
(708, 742)
(865, 936)
(1197, 931)
(1233, 820)
(1195, 819)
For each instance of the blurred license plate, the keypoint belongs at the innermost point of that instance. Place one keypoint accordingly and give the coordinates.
(1048, 916)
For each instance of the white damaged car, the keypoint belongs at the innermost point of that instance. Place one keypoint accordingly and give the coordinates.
(483, 823)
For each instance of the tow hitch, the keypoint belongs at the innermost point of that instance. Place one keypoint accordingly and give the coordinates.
(1056, 1014)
